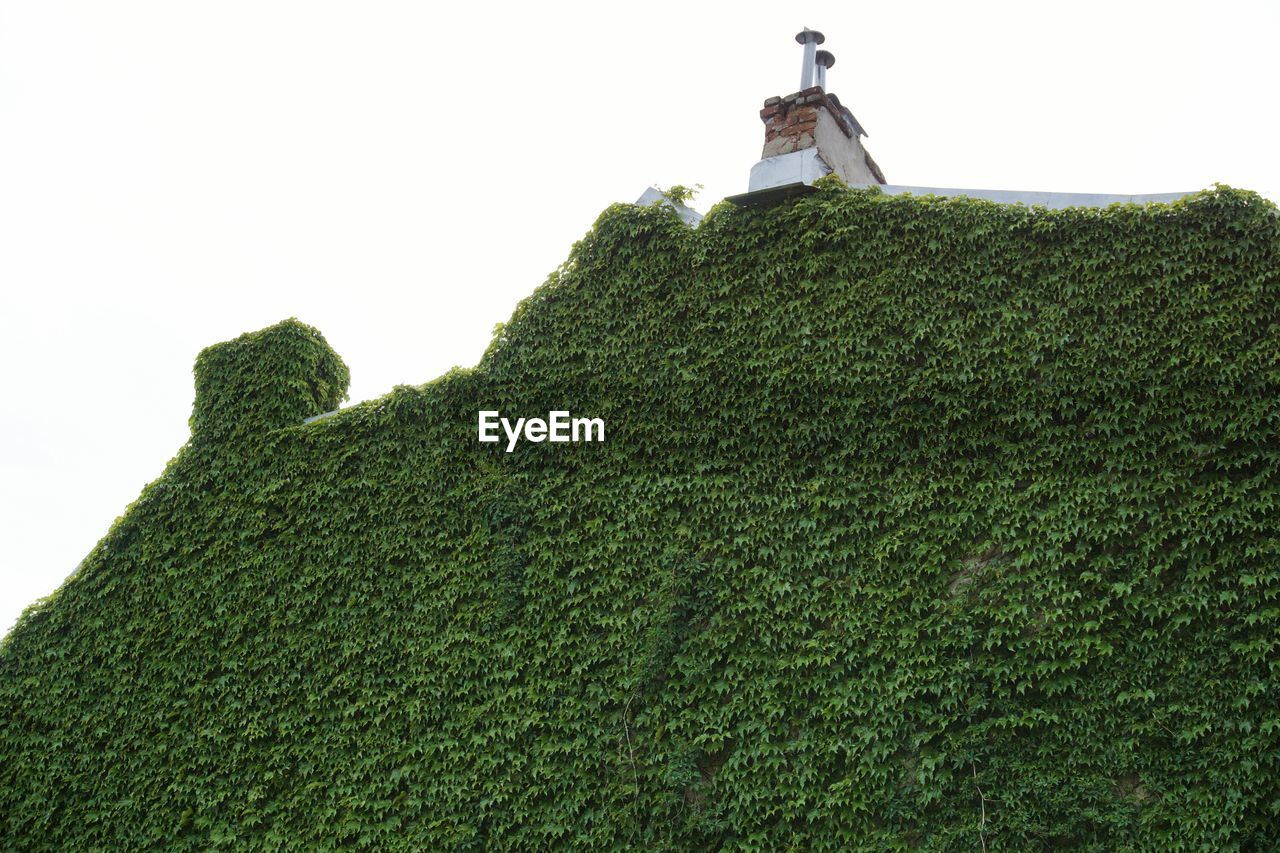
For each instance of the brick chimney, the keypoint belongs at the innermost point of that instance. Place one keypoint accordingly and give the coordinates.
(809, 134)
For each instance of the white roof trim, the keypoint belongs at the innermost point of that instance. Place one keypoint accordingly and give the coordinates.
(1032, 197)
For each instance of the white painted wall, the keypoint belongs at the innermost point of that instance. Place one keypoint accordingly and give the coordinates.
(845, 155)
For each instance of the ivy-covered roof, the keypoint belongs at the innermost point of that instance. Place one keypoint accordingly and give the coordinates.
(920, 522)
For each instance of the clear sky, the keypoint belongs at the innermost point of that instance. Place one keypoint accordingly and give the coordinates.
(401, 174)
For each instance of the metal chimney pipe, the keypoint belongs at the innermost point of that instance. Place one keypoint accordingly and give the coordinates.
(810, 39)
(824, 59)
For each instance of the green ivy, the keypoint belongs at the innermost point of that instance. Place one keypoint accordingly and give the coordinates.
(921, 522)
(265, 380)
(680, 194)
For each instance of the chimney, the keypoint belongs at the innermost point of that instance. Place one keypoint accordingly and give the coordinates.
(809, 134)
(823, 60)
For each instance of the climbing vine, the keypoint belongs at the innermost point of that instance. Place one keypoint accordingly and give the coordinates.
(920, 522)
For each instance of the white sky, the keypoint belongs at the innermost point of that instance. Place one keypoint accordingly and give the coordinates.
(401, 174)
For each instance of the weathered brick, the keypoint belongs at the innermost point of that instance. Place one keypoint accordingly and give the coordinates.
(781, 145)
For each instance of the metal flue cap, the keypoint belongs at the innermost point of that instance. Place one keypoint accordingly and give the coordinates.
(807, 35)
(825, 58)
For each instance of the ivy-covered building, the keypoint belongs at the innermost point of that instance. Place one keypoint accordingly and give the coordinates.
(920, 522)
